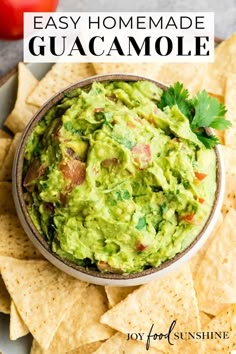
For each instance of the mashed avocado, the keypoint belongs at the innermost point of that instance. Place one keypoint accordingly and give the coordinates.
(114, 183)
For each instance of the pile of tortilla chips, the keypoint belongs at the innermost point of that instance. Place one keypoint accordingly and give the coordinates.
(65, 315)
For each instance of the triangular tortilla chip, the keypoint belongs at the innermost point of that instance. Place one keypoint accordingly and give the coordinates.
(82, 322)
(230, 102)
(230, 176)
(13, 240)
(4, 134)
(18, 328)
(116, 294)
(4, 147)
(5, 299)
(225, 321)
(197, 258)
(215, 281)
(83, 349)
(224, 64)
(6, 168)
(7, 205)
(190, 74)
(143, 69)
(119, 344)
(59, 77)
(205, 318)
(42, 294)
(160, 303)
(22, 112)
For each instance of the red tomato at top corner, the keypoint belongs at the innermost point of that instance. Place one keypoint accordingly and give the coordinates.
(11, 15)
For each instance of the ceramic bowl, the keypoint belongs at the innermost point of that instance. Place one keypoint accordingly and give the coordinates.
(83, 273)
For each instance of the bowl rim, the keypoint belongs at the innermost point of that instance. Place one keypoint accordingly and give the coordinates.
(83, 272)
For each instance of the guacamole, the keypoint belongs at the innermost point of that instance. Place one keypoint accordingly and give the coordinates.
(114, 183)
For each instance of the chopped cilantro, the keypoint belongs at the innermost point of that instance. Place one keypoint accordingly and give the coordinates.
(141, 223)
(126, 195)
(69, 127)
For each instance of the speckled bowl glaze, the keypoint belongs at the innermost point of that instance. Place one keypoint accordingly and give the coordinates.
(83, 273)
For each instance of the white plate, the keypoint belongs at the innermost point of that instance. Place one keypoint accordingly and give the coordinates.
(7, 100)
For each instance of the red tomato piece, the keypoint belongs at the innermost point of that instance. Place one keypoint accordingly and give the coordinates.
(142, 154)
(73, 170)
(188, 218)
(200, 176)
(201, 200)
(140, 247)
(12, 15)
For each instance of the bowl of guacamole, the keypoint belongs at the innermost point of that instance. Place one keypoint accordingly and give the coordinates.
(112, 185)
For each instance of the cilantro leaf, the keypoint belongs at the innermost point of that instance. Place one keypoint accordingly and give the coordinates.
(208, 140)
(209, 112)
(176, 95)
(220, 124)
(202, 111)
(141, 223)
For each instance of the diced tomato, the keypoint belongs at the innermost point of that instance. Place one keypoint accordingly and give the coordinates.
(97, 110)
(110, 162)
(140, 247)
(201, 200)
(35, 171)
(200, 176)
(142, 154)
(188, 218)
(73, 170)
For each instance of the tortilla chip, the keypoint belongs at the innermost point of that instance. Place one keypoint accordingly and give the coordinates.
(84, 349)
(224, 64)
(22, 112)
(143, 69)
(215, 281)
(230, 102)
(42, 294)
(205, 318)
(5, 299)
(190, 74)
(7, 205)
(116, 294)
(119, 344)
(196, 260)
(160, 302)
(59, 77)
(82, 322)
(4, 134)
(6, 168)
(223, 322)
(4, 147)
(18, 328)
(13, 240)
(230, 176)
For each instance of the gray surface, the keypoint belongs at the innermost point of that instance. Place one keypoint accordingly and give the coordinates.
(225, 18)
(21, 346)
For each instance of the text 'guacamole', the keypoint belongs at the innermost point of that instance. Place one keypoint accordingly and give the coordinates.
(113, 182)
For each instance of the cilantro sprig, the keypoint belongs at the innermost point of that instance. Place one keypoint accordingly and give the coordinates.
(202, 111)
